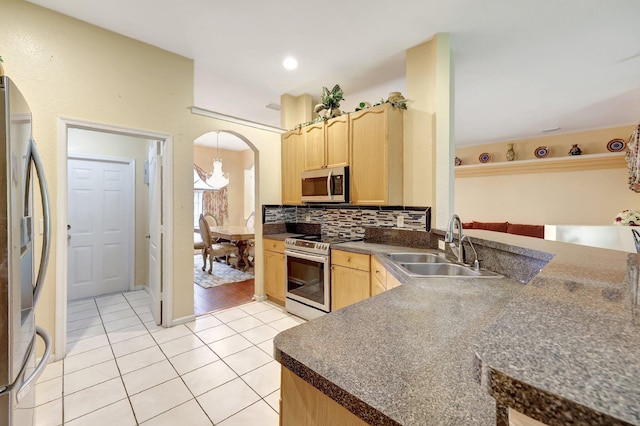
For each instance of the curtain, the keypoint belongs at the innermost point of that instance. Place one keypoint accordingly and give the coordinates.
(214, 202)
(633, 160)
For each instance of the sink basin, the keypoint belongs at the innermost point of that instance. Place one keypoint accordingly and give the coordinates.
(445, 270)
(417, 258)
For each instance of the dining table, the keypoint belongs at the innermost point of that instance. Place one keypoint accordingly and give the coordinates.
(238, 234)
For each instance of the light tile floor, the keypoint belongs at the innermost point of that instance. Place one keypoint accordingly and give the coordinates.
(121, 369)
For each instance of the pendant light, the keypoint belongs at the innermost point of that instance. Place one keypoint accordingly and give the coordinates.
(218, 179)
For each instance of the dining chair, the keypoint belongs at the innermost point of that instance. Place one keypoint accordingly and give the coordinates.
(213, 250)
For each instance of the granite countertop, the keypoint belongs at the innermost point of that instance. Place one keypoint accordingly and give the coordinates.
(566, 350)
(563, 349)
(404, 356)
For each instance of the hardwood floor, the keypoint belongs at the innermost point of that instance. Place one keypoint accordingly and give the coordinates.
(221, 297)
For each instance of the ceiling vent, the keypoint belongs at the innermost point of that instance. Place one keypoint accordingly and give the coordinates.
(273, 106)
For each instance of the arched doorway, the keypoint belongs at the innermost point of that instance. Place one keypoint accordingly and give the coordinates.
(228, 205)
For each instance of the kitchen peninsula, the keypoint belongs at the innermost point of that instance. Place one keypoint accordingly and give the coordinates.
(562, 349)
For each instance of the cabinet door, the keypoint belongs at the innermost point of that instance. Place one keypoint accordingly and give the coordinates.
(369, 159)
(376, 156)
(337, 141)
(314, 155)
(292, 166)
(274, 279)
(348, 286)
(376, 285)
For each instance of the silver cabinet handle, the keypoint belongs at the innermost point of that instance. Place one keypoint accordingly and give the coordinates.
(44, 193)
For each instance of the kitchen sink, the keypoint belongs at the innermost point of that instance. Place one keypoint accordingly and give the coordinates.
(417, 258)
(445, 270)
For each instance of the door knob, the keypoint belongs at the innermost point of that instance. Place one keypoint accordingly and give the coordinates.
(147, 236)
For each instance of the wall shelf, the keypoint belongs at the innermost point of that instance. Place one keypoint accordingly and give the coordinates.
(571, 163)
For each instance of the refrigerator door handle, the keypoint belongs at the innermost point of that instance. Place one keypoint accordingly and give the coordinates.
(46, 214)
(24, 389)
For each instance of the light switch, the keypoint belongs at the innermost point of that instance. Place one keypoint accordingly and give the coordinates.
(400, 221)
(441, 245)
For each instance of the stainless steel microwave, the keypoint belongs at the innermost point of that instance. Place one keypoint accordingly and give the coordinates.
(330, 185)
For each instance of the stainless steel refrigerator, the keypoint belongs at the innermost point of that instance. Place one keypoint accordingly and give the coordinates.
(20, 281)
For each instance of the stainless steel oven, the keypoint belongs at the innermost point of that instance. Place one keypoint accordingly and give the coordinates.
(307, 278)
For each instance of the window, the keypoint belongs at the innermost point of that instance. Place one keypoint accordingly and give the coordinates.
(197, 208)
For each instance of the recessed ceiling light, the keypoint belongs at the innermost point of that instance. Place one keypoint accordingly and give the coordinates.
(290, 63)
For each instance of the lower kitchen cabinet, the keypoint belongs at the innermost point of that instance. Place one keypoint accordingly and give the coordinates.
(516, 418)
(350, 282)
(302, 404)
(378, 277)
(274, 270)
(381, 280)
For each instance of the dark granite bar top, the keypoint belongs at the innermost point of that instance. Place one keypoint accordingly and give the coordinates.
(564, 349)
(404, 356)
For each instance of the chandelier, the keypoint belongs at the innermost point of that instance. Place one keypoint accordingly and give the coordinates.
(218, 179)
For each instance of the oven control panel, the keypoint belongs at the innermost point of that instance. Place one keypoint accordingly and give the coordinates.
(306, 246)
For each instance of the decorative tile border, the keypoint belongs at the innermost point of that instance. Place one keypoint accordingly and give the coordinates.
(349, 221)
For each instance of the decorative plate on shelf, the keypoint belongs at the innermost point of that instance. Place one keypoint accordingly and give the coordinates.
(616, 145)
(485, 157)
(541, 152)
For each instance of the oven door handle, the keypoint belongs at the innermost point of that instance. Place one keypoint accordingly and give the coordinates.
(310, 257)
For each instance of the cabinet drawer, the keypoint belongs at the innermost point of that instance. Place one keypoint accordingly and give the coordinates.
(378, 271)
(350, 260)
(273, 245)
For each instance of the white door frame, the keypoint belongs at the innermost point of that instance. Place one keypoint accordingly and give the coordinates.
(131, 163)
(64, 124)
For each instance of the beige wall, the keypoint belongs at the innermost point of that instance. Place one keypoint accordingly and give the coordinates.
(428, 143)
(234, 163)
(583, 197)
(67, 68)
(108, 144)
(590, 141)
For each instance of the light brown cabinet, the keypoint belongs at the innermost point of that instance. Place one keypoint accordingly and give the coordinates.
(326, 144)
(376, 156)
(292, 166)
(303, 404)
(350, 282)
(381, 280)
(516, 418)
(314, 148)
(337, 141)
(378, 277)
(274, 270)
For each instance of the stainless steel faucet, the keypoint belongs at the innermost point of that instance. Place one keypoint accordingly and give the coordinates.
(448, 238)
(476, 262)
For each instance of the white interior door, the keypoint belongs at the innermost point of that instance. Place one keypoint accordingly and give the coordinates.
(155, 230)
(100, 240)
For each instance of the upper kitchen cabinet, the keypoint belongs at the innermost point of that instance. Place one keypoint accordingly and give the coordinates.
(314, 148)
(376, 156)
(337, 141)
(327, 144)
(292, 166)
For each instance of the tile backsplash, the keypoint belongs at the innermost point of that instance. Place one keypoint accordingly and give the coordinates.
(349, 222)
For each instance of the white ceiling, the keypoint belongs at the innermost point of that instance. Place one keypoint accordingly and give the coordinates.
(520, 66)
